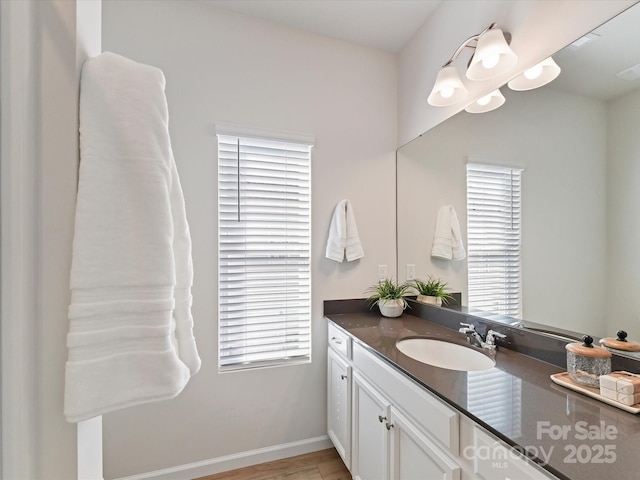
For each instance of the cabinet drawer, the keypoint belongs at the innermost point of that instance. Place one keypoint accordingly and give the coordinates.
(339, 341)
(492, 458)
(427, 411)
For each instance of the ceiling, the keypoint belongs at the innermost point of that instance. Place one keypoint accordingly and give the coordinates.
(382, 24)
(389, 24)
(592, 69)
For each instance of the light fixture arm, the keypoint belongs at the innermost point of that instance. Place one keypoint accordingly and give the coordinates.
(473, 38)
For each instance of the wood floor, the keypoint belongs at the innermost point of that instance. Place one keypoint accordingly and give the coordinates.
(322, 465)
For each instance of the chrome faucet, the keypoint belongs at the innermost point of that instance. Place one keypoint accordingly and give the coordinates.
(490, 342)
(473, 337)
(476, 339)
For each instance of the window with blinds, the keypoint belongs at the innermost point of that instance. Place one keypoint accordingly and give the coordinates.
(264, 238)
(493, 238)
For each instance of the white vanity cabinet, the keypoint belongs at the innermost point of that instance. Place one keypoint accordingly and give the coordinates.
(339, 392)
(388, 445)
(394, 429)
(388, 442)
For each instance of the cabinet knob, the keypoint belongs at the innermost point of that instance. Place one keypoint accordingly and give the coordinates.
(389, 426)
(381, 418)
(335, 340)
(343, 377)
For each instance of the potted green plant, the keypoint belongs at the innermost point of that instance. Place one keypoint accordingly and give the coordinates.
(389, 296)
(432, 291)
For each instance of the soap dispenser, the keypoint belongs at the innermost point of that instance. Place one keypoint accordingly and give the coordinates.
(586, 362)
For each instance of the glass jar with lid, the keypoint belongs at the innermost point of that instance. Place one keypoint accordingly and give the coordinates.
(586, 362)
(621, 345)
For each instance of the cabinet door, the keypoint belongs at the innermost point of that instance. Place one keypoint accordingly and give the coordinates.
(414, 456)
(339, 405)
(370, 458)
(497, 460)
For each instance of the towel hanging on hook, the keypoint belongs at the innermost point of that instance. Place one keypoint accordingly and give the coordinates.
(343, 240)
(447, 240)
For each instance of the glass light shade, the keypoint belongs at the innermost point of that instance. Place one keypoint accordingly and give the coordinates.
(492, 57)
(487, 103)
(536, 76)
(448, 88)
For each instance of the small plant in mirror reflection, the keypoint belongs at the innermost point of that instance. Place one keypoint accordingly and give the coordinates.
(388, 289)
(433, 287)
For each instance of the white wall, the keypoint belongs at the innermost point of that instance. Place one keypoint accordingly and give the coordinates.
(539, 29)
(43, 47)
(559, 140)
(19, 230)
(225, 67)
(623, 215)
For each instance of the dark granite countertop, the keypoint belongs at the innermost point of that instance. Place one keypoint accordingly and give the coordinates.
(516, 401)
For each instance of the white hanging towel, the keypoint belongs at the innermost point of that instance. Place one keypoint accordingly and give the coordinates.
(130, 335)
(344, 240)
(447, 241)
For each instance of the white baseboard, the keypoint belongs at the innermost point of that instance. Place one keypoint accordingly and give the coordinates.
(237, 460)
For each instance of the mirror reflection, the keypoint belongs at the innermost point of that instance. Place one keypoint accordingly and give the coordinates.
(577, 145)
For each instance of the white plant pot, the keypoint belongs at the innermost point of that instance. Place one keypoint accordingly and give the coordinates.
(391, 308)
(430, 300)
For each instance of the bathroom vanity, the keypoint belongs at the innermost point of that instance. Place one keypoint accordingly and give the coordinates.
(393, 417)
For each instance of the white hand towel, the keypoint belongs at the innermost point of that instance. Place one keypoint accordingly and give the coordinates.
(130, 335)
(447, 240)
(344, 239)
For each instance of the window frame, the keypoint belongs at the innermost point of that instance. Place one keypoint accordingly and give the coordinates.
(502, 196)
(296, 326)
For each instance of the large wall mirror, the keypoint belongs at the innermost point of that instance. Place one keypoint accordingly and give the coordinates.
(577, 141)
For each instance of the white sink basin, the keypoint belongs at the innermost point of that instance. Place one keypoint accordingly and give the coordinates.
(443, 354)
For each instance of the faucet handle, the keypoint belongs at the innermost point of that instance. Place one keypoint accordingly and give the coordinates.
(467, 326)
(491, 337)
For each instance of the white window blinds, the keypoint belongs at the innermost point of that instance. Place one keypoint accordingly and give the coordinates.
(264, 238)
(495, 397)
(493, 231)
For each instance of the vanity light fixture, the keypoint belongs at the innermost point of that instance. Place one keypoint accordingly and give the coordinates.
(487, 103)
(491, 58)
(536, 76)
(448, 88)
